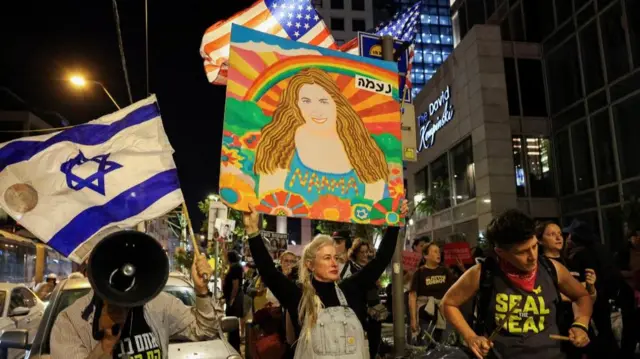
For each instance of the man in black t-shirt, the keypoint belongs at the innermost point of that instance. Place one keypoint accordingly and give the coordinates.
(137, 338)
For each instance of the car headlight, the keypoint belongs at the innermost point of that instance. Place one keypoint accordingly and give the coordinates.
(234, 356)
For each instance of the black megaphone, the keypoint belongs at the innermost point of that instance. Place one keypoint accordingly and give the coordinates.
(128, 268)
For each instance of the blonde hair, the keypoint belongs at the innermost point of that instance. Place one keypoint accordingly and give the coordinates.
(310, 303)
(277, 143)
(287, 253)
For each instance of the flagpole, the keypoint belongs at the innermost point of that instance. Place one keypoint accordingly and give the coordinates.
(146, 40)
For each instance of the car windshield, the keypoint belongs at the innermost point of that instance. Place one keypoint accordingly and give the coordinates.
(67, 297)
(186, 294)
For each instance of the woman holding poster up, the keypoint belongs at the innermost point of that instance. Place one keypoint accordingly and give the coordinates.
(326, 315)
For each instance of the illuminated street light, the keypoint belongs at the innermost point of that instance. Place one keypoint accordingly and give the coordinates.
(80, 82)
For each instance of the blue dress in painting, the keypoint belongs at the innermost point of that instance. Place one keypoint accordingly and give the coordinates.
(312, 184)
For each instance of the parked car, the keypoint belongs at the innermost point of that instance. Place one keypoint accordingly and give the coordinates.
(70, 290)
(20, 308)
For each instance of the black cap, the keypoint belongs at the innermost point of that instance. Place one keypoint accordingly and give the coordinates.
(343, 234)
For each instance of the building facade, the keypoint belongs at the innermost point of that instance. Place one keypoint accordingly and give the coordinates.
(551, 92)
(18, 256)
(464, 139)
(346, 17)
(434, 40)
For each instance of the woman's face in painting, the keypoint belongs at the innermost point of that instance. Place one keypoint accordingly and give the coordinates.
(317, 106)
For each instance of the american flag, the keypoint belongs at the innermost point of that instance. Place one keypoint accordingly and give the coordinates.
(402, 26)
(290, 19)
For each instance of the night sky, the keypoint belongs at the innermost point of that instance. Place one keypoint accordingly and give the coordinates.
(42, 42)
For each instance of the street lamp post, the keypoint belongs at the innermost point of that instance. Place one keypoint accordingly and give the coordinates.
(80, 81)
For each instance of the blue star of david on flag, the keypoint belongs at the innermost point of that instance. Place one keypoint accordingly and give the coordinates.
(95, 181)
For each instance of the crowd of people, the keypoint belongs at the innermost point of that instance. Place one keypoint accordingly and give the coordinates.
(537, 291)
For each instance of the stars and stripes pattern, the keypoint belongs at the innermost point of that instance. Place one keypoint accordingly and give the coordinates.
(291, 19)
(402, 26)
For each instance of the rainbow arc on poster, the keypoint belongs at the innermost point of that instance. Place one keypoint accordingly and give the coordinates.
(336, 65)
(261, 78)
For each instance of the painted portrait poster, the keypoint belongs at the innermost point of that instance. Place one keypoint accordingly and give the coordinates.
(310, 132)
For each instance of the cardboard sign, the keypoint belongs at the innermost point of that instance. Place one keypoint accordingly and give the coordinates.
(282, 97)
(217, 210)
(410, 260)
(275, 242)
(459, 250)
(225, 227)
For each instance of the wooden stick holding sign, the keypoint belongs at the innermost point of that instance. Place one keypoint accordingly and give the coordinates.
(559, 337)
(196, 247)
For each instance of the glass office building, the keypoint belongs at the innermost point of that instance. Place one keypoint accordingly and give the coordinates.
(548, 91)
(434, 41)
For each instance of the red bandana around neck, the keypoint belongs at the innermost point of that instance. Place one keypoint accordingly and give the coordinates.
(524, 281)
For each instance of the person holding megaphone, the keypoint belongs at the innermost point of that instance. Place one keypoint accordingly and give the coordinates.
(127, 315)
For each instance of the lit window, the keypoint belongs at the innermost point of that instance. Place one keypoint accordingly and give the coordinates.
(537, 157)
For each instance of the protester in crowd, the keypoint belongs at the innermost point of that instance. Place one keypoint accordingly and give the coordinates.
(552, 245)
(162, 318)
(522, 288)
(418, 247)
(584, 250)
(250, 292)
(430, 282)
(343, 242)
(359, 256)
(44, 289)
(323, 308)
(629, 260)
(233, 296)
(419, 243)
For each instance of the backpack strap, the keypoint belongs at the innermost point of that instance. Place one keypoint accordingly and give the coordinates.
(548, 265)
(483, 297)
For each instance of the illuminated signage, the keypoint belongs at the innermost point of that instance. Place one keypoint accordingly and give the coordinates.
(428, 126)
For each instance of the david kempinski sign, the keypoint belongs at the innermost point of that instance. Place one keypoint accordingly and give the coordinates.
(428, 128)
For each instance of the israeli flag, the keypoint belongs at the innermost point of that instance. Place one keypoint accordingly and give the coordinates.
(73, 187)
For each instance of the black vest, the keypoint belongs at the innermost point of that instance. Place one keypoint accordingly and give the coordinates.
(526, 334)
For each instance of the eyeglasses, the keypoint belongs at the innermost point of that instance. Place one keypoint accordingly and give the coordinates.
(290, 261)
